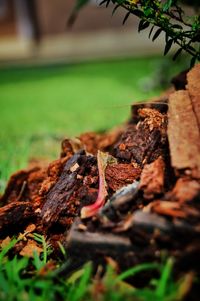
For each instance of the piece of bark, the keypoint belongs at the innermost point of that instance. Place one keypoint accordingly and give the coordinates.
(193, 86)
(53, 173)
(18, 186)
(152, 178)
(139, 145)
(145, 142)
(93, 142)
(13, 216)
(119, 175)
(193, 79)
(60, 193)
(174, 209)
(183, 134)
(150, 222)
(91, 244)
(185, 190)
(65, 199)
(69, 147)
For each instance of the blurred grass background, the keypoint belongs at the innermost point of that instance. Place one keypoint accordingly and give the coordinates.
(41, 105)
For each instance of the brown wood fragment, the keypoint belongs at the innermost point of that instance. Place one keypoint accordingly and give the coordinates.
(119, 175)
(152, 178)
(93, 142)
(185, 190)
(14, 215)
(183, 133)
(30, 248)
(16, 186)
(193, 78)
(168, 208)
(173, 209)
(65, 199)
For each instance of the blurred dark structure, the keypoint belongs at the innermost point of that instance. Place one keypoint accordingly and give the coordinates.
(49, 17)
(37, 29)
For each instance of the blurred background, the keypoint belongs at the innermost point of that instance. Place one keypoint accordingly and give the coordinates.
(37, 30)
(57, 81)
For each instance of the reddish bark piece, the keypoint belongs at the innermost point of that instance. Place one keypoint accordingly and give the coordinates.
(90, 142)
(185, 190)
(183, 133)
(172, 209)
(153, 119)
(69, 147)
(152, 178)
(54, 170)
(93, 142)
(193, 78)
(145, 142)
(13, 216)
(122, 174)
(18, 185)
(30, 248)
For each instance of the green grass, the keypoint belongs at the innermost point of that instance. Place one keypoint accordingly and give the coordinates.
(21, 279)
(41, 105)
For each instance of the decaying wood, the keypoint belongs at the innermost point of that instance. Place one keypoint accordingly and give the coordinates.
(152, 178)
(152, 185)
(119, 175)
(58, 197)
(185, 190)
(184, 134)
(94, 243)
(14, 216)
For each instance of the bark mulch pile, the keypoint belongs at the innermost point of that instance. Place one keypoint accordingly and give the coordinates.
(131, 193)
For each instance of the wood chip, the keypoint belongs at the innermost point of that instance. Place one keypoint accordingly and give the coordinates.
(152, 178)
(30, 248)
(183, 133)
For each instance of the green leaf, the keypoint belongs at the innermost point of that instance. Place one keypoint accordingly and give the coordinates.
(157, 33)
(115, 8)
(151, 30)
(177, 26)
(167, 5)
(178, 52)
(104, 1)
(79, 289)
(193, 61)
(126, 17)
(168, 46)
(137, 269)
(108, 2)
(166, 37)
(138, 13)
(161, 290)
(143, 25)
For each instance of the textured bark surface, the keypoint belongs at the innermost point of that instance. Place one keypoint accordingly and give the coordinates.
(152, 178)
(183, 133)
(13, 217)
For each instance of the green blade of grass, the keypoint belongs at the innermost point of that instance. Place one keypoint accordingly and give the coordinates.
(137, 269)
(164, 279)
